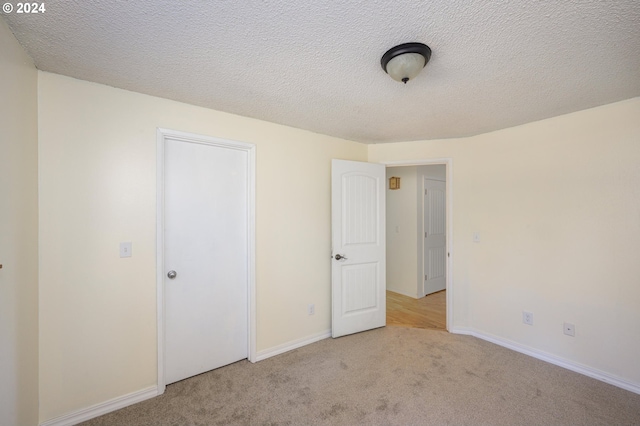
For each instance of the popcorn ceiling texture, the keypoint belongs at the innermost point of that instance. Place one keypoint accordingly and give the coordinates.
(316, 65)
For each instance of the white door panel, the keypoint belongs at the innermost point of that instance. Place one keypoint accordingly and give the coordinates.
(206, 244)
(435, 260)
(358, 234)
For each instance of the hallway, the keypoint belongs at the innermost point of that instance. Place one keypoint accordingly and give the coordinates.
(428, 312)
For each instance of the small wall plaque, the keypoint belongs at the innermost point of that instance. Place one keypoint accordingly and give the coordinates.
(394, 183)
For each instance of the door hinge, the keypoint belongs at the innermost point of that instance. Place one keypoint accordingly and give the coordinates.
(426, 278)
(425, 192)
(425, 234)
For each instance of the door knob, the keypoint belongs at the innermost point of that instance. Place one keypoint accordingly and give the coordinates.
(172, 274)
(340, 256)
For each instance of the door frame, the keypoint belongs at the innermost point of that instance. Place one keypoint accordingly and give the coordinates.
(448, 162)
(422, 267)
(162, 136)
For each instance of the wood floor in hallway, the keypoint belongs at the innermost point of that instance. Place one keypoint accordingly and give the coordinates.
(428, 312)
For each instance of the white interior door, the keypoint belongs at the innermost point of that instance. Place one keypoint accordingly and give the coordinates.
(206, 225)
(435, 231)
(358, 267)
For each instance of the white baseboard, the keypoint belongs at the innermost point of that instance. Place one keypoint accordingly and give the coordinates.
(150, 392)
(294, 344)
(103, 408)
(552, 359)
(413, 296)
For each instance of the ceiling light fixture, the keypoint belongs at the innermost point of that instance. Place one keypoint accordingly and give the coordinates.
(405, 61)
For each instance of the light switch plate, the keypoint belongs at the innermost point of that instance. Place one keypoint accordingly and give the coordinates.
(476, 237)
(125, 249)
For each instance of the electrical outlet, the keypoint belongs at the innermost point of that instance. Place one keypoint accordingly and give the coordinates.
(569, 329)
(527, 317)
(476, 237)
(311, 309)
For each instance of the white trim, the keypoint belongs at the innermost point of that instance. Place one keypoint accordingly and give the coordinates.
(550, 358)
(250, 149)
(251, 250)
(160, 258)
(448, 162)
(424, 162)
(103, 408)
(294, 344)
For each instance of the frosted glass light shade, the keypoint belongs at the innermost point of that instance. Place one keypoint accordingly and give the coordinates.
(404, 61)
(405, 67)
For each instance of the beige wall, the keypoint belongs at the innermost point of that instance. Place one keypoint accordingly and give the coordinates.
(432, 171)
(18, 234)
(97, 172)
(557, 205)
(402, 232)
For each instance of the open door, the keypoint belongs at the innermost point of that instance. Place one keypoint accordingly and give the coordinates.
(358, 270)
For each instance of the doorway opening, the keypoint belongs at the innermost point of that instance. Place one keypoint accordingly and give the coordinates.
(419, 224)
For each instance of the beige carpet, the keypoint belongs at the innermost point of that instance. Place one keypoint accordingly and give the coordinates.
(388, 376)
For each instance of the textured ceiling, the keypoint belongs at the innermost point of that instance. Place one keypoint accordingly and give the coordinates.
(316, 64)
